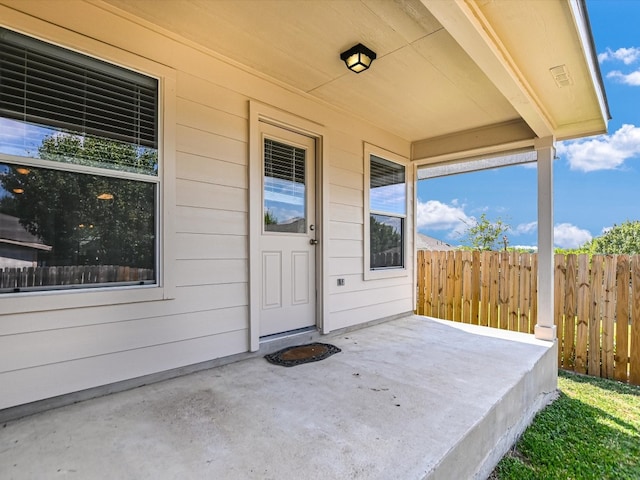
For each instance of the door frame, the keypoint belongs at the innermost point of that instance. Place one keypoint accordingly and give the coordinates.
(259, 112)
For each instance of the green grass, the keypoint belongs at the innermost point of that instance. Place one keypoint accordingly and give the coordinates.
(592, 431)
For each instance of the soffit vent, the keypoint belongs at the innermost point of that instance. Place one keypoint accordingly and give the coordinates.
(561, 76)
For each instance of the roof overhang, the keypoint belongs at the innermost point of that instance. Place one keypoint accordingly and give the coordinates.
(453, 78)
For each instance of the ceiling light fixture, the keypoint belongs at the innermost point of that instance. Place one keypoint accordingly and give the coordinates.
(105, 196)
(18, 190)
(358, 58)
(23, 171)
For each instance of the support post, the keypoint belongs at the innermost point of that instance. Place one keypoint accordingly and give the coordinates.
(545, 328)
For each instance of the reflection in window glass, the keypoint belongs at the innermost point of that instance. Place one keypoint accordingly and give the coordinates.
(35, 141)
(388, 192)
(74, 229)
(386, 241)
(284, 188)
(388, 208)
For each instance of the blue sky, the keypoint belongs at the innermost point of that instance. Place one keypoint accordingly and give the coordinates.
(596, 180)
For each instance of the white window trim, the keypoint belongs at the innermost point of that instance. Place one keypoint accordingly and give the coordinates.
(164, 289)
(390, 272)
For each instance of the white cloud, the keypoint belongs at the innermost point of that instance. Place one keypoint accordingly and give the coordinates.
(525, 228)
(435, 215)
(632, 78)
(604, 152)
(625, 55)
(530, 248)
(567, 235)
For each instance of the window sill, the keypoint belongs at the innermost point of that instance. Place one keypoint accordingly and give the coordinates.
(385, 273)
(57, 300)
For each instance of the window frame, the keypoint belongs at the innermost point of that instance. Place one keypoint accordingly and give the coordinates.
(387, 272)
(164, 286)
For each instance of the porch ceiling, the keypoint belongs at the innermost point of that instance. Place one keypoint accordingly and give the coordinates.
(443, 68)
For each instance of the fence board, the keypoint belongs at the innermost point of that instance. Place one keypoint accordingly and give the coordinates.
(434, 284)
(559, 280)
(485, 287)
(534, 294)
(504, 290)
(595, 314)
(634, 351)
(466, 286)
(442, 290)
(457, 283)
(623, 279)
(514, 291)
(584, 297)
(494, 265)
(608, 316)
(571, 310)
(450, 285)
(475, 287)
(525, 292)
(421, 282)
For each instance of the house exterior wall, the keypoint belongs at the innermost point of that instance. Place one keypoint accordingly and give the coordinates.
(59, 347)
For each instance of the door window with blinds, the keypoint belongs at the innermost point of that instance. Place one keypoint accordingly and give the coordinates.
(78, 170)
(284, 194)
(387, 213)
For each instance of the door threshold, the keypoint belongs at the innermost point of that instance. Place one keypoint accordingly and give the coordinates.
(289, 333)
(277, 341)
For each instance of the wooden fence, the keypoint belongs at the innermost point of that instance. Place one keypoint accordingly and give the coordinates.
(596, 304)
(26, 277)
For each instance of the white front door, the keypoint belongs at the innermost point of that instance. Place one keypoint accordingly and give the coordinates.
(288, 234)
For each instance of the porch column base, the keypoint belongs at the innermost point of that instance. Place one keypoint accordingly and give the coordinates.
(543, 332)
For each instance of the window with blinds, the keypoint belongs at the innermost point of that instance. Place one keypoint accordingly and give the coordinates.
(65, 118)
(51, 89)
(387, 212)
(284, 187)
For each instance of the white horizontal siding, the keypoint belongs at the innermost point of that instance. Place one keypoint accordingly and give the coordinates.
(372, 296)
(374, 311)
(346, 248)
(30, 350)
(202, 247)
(198, 142)
(202, 117)
(211, 271)
(345, 231)
(206, 220)
(188, 300)
(210, 170)
(28, 385)
(346, 213)
(346, 196)
(212, 95)
(340, 267)
(346, 178)
(209, 195)
(355, 283)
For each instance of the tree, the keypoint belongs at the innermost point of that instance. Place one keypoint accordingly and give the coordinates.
(487, 235)
(620, 239)
(87, 219)
(385, 239)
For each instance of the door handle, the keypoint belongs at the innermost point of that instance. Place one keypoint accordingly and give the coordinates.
(313, 241)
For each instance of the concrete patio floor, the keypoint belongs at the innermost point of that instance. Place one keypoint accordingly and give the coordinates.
(411, 398)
